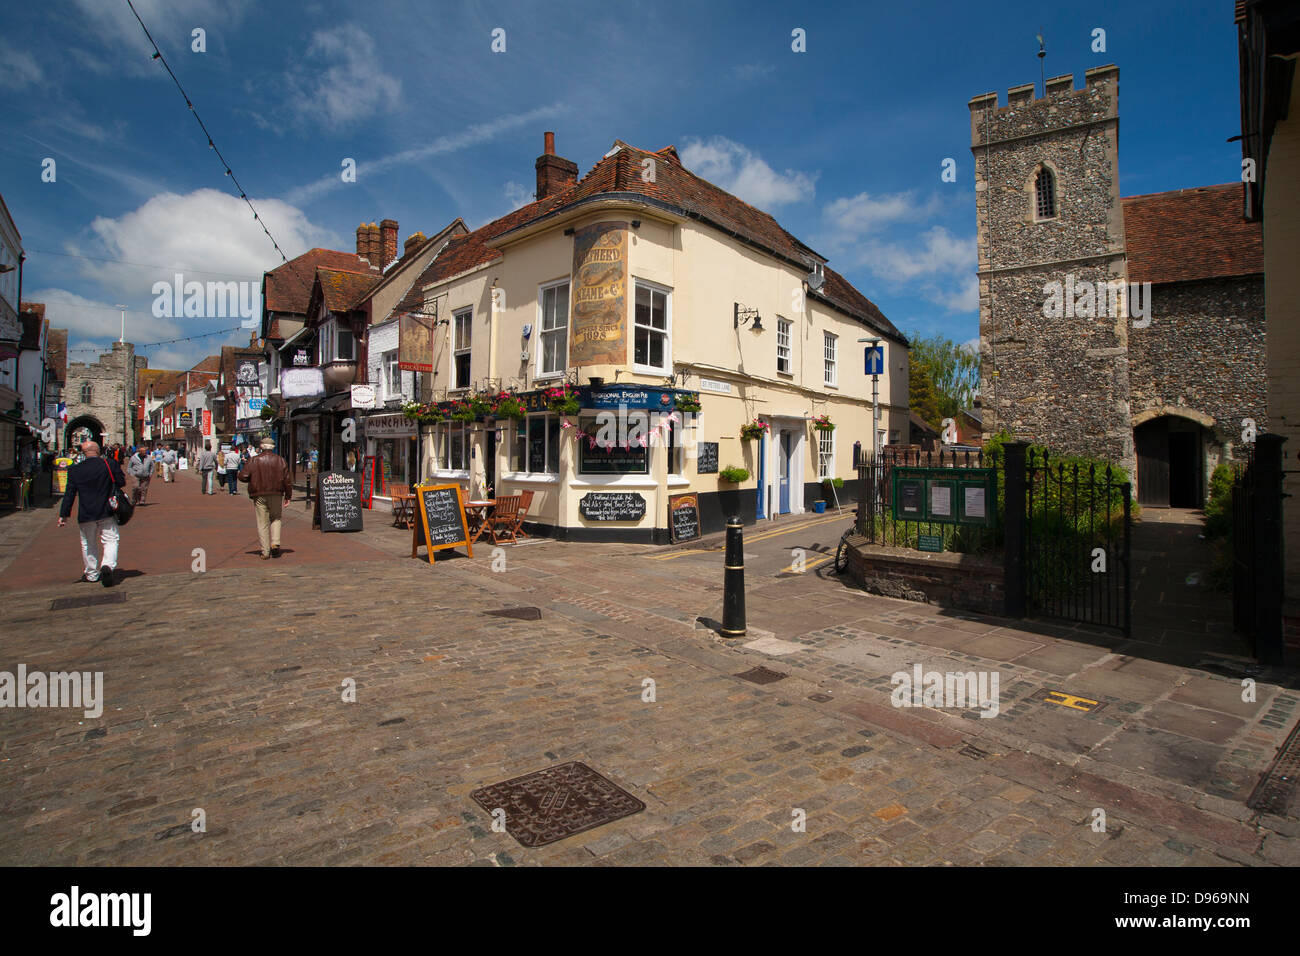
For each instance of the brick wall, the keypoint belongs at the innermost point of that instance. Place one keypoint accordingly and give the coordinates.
(966, 581)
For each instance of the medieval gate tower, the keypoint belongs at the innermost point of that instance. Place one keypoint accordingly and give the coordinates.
(1048, 210)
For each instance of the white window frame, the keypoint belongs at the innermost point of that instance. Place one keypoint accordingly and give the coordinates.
(522, 427)
(442, 463)
(468, 315)
(825, 455)
(830, 359)
(785, 327)
(667, 331)
(541, 373)
(329, 342)
(389, 366)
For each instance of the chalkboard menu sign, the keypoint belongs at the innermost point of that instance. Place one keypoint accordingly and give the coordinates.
(442, 520)
(706, 462)
(338, 501)
(612, 506)
(683, 517)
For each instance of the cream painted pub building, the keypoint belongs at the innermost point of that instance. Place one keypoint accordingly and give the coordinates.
(647, 289)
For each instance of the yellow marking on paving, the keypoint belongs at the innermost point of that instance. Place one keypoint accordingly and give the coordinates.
(683, 553)
(807, 565)
(764, 535)
(1069, 700)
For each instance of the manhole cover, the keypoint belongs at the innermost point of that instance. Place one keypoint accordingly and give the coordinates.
(518, 613)
(819, 698)
(761, 675)
(1276, 790)
(555, 803)
(89, 600)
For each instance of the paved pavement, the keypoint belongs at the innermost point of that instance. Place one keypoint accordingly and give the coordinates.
(224, 691)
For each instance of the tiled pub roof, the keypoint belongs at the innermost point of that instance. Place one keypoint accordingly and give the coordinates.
(1191, 234)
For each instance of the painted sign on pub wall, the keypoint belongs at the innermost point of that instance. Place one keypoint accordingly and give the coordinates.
(598, 324)
(414, 343)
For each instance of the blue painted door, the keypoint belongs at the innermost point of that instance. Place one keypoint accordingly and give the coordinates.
(761, 511)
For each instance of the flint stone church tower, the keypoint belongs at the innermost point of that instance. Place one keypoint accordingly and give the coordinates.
(1157, 379)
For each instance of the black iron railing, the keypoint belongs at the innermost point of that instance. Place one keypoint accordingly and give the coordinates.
(876, 512)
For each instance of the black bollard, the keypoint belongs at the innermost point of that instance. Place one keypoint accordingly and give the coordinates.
(733, 597)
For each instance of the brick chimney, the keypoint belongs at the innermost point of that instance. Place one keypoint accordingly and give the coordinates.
(374, 244)
(363, 241)
(413, 240)
(388, 242)
(554, 173)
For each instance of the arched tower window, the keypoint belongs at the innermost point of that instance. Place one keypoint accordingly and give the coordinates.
(1044, 194)
(85, 394)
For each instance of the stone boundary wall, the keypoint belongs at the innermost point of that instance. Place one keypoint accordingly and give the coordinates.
(965, 581)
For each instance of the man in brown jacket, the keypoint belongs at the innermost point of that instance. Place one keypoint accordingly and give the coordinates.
(270, 488)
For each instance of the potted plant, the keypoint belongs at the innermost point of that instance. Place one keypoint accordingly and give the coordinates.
(686, 404)
(829, 483)
(508, 406)
(754, 429)
(734, 474)
(563, 400)
(823, 423)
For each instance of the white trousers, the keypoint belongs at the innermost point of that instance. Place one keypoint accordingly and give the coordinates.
(99, 545)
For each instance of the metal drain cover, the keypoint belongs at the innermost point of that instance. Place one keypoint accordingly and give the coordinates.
(819, 697)
(1276, 790)
(518, 613)
(89, 600)
(555, 803)
(761, 675)
(970, 750)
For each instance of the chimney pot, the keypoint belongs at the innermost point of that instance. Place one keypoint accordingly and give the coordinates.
(550, 144)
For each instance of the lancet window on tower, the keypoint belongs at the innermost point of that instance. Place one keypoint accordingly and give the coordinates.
(1044, 194)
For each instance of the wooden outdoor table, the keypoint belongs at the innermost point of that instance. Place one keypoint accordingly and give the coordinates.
(403, 511)
(477, 512)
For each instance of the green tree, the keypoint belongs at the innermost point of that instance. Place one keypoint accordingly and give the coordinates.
(921, 395)
(953, 368)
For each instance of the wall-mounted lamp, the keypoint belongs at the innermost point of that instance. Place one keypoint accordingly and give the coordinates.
(636, 223)
(742, 314)
(570, 231)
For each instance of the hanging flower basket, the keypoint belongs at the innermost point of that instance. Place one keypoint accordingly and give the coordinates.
(481, 406)
(563, 400)
(424, 414)
(823, 423)
(266, 412)
(686, 404)
(461, 412)
(508, 406)
(754, 429)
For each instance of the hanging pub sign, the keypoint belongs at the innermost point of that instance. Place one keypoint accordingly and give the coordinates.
(247, 373)
(945, 495)
(598, 326)
(302, 383)
(301, 358)
(414, 343)
(186, 419)
(442, 520)
(612, 506)
(363, 396)
(338, 501)
(683, 517)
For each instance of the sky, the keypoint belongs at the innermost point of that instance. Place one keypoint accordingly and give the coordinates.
(843, 142)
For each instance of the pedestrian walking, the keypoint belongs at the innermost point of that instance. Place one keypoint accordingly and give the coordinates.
(207, 465)
(270, 487)
(92, 483)
(233, 465)
(140, 467)
(169, 464)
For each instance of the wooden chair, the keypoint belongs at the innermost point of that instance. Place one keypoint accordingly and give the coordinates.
(524, 505)
(504, 518)
(403, 509)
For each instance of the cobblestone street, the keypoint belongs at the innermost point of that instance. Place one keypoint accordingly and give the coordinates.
(224, 691)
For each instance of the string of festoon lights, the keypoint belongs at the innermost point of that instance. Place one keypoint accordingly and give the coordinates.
(188, 338)
(157, 55)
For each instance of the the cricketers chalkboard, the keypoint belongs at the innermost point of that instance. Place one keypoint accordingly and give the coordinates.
(612, 506)
(442, 520)
(706, 462)
(683, 517)
(338, 501)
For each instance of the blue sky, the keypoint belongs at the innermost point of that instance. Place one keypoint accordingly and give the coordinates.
(842, 143)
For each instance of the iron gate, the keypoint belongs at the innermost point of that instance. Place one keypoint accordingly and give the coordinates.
(1077, 531)
(1257, 553)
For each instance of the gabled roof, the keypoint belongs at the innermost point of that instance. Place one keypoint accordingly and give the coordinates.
(32, 317)
(160, 378)
(1191, 234)
(288, 287)
(341, 291)
(56, 354)
(675, 189)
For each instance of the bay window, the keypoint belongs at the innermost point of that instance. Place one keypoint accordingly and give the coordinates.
(337, 343)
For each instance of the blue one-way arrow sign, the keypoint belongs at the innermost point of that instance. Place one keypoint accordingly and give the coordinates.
(875, 359)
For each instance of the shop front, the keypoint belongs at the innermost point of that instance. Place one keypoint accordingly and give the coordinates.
(391, 460)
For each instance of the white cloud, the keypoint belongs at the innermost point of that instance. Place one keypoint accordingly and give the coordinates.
(20, 68)
(852, 217)
(450, 143)
(742, 172)
(350, 87)
(938, 253)
(94, 323)
(517, 195)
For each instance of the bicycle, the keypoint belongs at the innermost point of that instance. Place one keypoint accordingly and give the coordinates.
(841, 562)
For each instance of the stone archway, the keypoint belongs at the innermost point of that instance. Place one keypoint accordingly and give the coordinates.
(75, 432)
(1171, 446)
